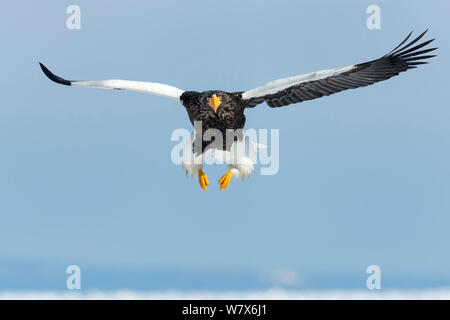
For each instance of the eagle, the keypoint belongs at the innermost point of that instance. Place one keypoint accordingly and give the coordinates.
(223, 111)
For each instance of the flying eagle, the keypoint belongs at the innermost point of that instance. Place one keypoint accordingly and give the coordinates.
(224, 111)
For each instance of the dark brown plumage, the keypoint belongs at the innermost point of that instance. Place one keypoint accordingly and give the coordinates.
(230, 115)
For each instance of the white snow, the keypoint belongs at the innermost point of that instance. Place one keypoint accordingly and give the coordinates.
(270, 294)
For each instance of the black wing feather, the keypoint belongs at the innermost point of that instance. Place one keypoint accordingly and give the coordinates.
(398, 60)
(54, 77)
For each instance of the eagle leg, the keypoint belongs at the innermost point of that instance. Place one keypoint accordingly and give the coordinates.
(202, 179)
(225, 180)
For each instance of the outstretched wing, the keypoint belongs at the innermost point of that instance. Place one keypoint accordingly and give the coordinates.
(145, 87)
(314, 85)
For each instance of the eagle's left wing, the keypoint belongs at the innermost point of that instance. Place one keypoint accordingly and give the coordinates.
(314, 85)
(145, 87)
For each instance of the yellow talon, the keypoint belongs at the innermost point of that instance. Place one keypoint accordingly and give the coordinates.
(202, 179)
(225, 180)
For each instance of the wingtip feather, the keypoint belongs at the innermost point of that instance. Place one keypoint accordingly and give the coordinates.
(53, 76)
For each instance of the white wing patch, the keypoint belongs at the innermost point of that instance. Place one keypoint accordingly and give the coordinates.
(281, 84)
(145, 87)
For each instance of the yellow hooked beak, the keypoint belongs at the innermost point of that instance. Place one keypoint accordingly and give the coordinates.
(214, 102)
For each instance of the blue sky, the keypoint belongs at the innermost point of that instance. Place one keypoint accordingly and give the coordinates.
(86, 176)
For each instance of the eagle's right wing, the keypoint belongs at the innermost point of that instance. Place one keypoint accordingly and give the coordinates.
(145, 87)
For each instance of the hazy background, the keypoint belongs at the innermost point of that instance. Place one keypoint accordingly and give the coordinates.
(86, 176)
